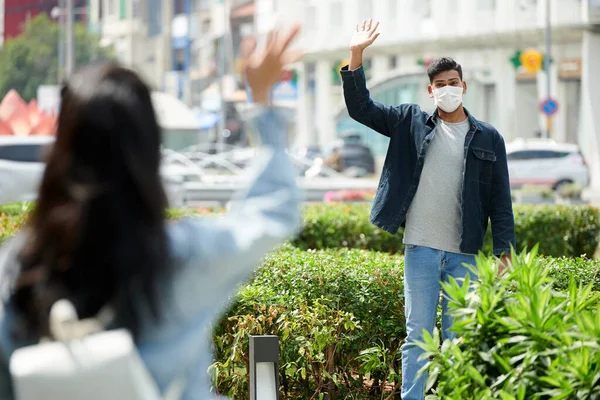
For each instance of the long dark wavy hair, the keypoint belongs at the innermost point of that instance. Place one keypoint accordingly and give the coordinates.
(97, 233)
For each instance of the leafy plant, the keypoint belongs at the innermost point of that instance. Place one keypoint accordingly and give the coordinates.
(519, 338)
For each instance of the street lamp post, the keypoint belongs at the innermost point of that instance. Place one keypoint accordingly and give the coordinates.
(65, 9)
(61, 34)
(70, 42)
(547, 64)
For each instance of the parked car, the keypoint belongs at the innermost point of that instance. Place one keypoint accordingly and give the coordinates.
(22, 163)
(21, 166)
(542, 162)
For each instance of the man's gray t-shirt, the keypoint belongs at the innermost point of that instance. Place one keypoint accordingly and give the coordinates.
(434, 218)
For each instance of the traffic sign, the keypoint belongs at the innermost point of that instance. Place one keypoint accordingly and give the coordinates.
(549, 106)
(531, 60)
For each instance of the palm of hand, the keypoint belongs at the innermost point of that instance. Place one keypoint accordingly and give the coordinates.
(361, 39)
(365, 35)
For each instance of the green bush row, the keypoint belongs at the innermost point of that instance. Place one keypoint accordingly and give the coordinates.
(560, 230)
(339, 314)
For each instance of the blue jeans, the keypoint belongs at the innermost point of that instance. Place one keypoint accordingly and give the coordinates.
(424, 270)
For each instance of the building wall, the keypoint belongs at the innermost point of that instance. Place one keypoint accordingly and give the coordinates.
(482, 35)
(140, 31)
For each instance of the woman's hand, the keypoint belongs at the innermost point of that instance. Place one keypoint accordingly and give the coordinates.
(262, 70)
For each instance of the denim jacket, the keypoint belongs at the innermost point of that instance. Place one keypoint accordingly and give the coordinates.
(486, 187)
(211, 257)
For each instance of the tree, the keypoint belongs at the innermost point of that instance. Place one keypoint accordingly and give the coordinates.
(31, 59)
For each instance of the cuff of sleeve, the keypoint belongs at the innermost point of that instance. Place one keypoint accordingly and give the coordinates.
(272, 128)
(357, 74)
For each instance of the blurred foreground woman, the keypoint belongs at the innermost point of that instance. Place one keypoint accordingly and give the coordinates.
(98, 235)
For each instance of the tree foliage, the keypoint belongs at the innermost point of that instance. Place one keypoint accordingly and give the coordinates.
(31, 59)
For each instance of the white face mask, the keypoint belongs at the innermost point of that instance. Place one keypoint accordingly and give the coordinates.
(448, 98)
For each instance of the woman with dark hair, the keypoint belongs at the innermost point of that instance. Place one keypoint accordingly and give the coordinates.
(98, 236)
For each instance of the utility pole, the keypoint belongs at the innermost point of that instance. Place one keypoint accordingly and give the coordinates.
(547, 64)
(70, 48)
(61, 41)
(222, 66)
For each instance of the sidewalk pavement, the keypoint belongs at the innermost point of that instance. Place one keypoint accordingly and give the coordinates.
(592, 195)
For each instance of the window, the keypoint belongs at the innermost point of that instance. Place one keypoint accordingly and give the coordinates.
(179, 7)
(452, 6)
(179, 59)
(523, 155)
(392, 10)
(486, 5)
(527, 4)
(123, 9)
(22, 152)
(422, 8)
(365, 9)
(393, 62)
(336, 13)
(137, 10)
(311, 18)
(111, 7)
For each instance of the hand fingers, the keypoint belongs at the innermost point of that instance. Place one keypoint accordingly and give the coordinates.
(289, 37)
(292, 56)
(356, 27)
(364, 23)
(374, 37)
(374, 28)
(272, 38)
(369, 24)
(247, 47)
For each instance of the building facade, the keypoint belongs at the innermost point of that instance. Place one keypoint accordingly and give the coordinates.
(485, 36)
(140, 31)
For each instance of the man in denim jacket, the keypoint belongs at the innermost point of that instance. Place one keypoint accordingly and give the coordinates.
(444, 177)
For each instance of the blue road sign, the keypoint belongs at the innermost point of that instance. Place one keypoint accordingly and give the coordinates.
(549, 106)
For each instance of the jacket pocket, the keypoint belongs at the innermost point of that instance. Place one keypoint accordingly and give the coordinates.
(484, 164)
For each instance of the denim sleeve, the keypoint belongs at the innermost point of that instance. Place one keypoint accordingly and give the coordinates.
(219, 253)
(363, 109)
(501, 213)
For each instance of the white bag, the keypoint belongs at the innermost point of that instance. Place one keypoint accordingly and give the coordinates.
(85, 362)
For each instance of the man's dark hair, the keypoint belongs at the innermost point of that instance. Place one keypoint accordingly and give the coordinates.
(443, 64)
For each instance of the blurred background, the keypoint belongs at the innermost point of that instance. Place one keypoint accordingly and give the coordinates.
(529, 66)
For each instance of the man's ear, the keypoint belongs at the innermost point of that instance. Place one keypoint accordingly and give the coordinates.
(430, 91)
(464, 87)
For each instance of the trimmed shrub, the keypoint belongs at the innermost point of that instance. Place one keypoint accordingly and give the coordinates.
(561, 230)
(339, 315)
(326, 307)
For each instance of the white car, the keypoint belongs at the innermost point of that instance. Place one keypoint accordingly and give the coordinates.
(543, 162)
(21, 166)
(22, 163)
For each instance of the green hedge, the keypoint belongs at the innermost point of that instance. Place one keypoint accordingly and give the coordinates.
(560, 230)
(339, 314)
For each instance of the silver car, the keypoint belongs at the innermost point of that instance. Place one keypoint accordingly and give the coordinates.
(542, 162)
(22, 163)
